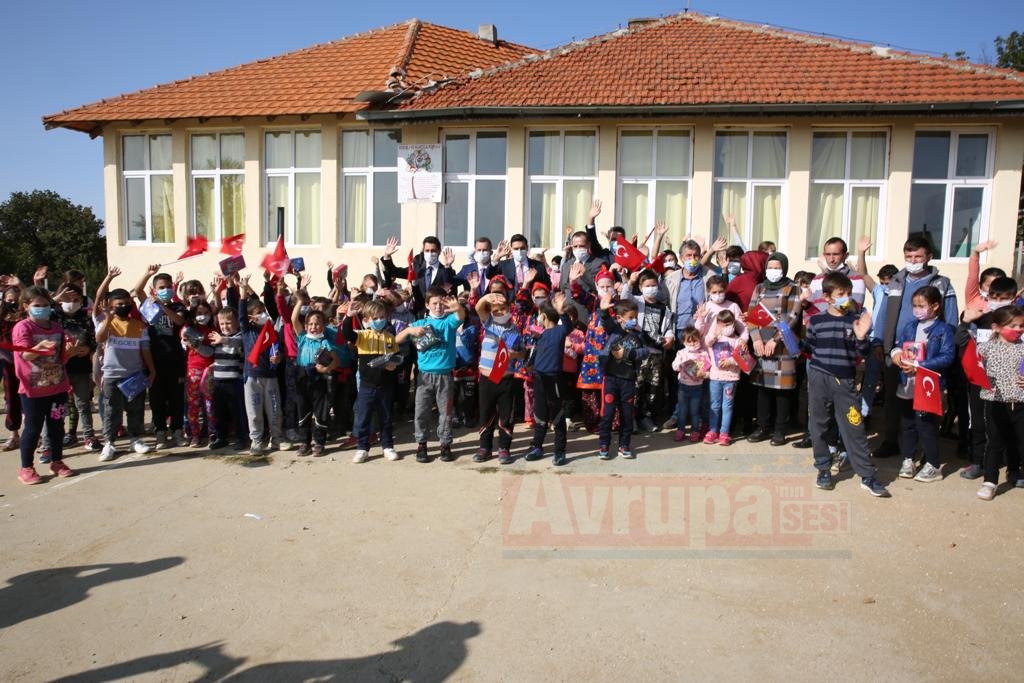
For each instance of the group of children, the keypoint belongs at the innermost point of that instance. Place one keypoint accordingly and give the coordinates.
(680, 337)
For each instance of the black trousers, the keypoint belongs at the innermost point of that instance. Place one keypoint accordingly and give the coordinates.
(167, 395)
(548, 408)
(617, 394)
(313, 392)
(779, 399)
(496, 401)
(918, 428)
(977, 420)
(1005, 430)
(229, 408)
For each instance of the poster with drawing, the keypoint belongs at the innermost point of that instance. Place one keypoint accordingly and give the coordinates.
(419, 173)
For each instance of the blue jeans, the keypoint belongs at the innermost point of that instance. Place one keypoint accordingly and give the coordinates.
(688, 405)
(722, 395)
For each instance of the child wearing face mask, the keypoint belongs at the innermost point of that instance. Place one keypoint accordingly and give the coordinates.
(591, 377)
(1003, 356)
(550, 404)
(716, 302)
(724, 333)
(199, 357)
(10, 315)
(693, 363)
(315, 361)
(925, 342)
(657, 328)
(621, 358)
(261, 390)
(496, 394)
(531, 297)
(78, 325)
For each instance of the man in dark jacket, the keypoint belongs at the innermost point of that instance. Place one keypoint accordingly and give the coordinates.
(432, 267)
(514, 269)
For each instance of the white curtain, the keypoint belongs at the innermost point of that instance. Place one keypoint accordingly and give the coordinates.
(232, 204)
(867, 156)
(730, 200)
(826, 219)
(580, 153)
(670, 206)
(355, 209)
(828, 156)
(162, 208)
(769, 155)
(864, 205)
(277, 195)
(307, 208)
(355, 149)
(634, 207)
(767, 212)
(576, 198)
(202, 193)
(543, 230)
(545, 156)
(636, 153)
(731, 155)
(160, 152)
(673, 153)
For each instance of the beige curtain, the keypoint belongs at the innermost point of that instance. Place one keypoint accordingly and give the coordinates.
(580, 154)
(162, 208)
(769, 155)
(767, 212)
(232, 204)
(864, 206)
(277, 195)
(307, 208)
(544, 153)
(543, 230)
(828, 157)
(867, 156)
(576, 198)
(673, 153)
(636, 153)
(355, 209)
(730, 199)
(826, 216)
(731, 155)
(202, 191)
(634, 207)
(355, 149)
(670, 206)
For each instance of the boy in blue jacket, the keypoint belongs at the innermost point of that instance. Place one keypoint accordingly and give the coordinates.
(620, 359)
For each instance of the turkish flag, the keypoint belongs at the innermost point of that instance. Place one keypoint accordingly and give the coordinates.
(17, 348)
(760, 317)
(927, 392)
(277, 262)
(628, 256)
(196, 246)
(501, 361)
(658, 264)
(973, 366)
(410, 274)
(268, 336)
(232, 245)
(742, 356)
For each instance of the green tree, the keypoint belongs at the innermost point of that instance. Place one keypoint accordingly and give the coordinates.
(42, 228)
(1010, 51)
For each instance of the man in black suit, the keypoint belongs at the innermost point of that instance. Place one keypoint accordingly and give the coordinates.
(482, 265)
(432, 267)
(514, 269)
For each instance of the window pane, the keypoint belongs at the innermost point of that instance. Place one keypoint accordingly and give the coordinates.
(966, 220)
(355, 209)
(580, 154)
(232, 204)
(161, 203)
(203, 197)
(730, 200)
(456, 154)
(307, 149)
(277, 196)
(636, 154)
(232, 150)
(971, 155)
(491, 155)
(135, 208)
(456, 214)
(769, 155)
(355, 149)
(489, 216)
(867, 156)
(927, 212)
(931, 155)
(577, 196)
(134, 151)
(826, 216)
(634, 206)
(767, 210)
(543, 231)
(279, 149)
(864, 206)
(159, 152)
(828, 156)
(673, 153)
(204, 152)
(545, 154)
(670, 207)
(731, 155)
(307, 208)
(385, 148)
(387, 212)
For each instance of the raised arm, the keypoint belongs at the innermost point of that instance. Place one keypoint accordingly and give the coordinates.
(139, 292)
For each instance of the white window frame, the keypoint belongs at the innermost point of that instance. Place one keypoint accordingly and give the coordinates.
(652, 180)
(215, 174)
(557, 180)
(146, 176)
(470, 179)
(289, 173)
(364, 172)
(850, 184)
(953, 182)
(746, 231)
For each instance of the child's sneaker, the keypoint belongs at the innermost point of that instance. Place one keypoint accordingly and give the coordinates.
(28, 475)
(907, 469)
(303, 449)
(60, 469)
(929, 473)
(70, 439)
(987, 491)
(604, 453)
(45, 456)
(421, 453)
(626, 453)
(724, 439)
(534, 454)
(482, 455)
(446, 453)
(93, 444)
(218, 444)
(139, 447)
(669, 423)
(680, 435)
(824, 480)
(108, 453)
(875, 487)
(839, 462)
(195, 442)
(317, 450)
(178, 439)
(161, 440)
(257, 449)
(695, 436)
(391, 454)
(559, 459)
(504, 457)
(710, 437)
(972, 471)
(360, 456)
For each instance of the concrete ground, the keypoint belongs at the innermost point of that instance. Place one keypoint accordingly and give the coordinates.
(690, 562)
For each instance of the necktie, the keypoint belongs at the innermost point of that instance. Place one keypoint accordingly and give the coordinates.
(520, 275)
(430, 275)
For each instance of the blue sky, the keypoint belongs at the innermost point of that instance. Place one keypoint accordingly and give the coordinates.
(64, 53)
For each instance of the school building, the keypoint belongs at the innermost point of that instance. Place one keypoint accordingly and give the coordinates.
(687, 119)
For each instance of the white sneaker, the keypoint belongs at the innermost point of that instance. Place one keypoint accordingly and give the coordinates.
(284, 445)
(987, 491)
(908, 469)
(161, 440)
(360, 456)
(929, 473)
(256, 448)
(178, 439)
(391, 454)
(139, 447)
(108, 453)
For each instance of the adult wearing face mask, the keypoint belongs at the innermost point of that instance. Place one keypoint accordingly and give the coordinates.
(686, 291)
(895, 312)
(432, 267)
(515, 269)
(775, 372)
(483, 263)
(833, 260)
(579, 244)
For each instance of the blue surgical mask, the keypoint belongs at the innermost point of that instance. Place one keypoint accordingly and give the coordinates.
(39, 312)
(841, 302)
(165, 294)
(630, 324)
(691, 266)
(378, 324)
(733, 268)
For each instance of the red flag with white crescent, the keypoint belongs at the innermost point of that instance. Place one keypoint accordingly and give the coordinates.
(501, 361)
(974, 368)
(927, 391)
(196, 246)
(627, 255)
(760, 316)
(233, 245)
(277, 262)
(268, 335)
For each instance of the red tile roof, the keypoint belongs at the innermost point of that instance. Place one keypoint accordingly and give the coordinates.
(695, 60)
(320, 79)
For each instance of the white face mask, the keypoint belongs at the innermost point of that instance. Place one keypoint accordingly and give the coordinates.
(580, 254)
(692, 347)
(482, 257)
(670, 265)
(315, 337)
(540, 301)
(71, 307)
(502, 319)
(773, 274)
(914, 268)
(202, 319)
(369, 291)
(717, 298)
(262, 319)
(430, 258)
(519, 255)
(649, 292)
(996, 305)
(605, 291)
(729, 331)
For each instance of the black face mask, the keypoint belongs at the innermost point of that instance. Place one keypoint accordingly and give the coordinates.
(122, 310)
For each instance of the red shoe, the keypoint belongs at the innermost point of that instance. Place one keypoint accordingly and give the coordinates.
(28, 475)
(695, 436)
(61, 470)
(350, 442)
(724, 439)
